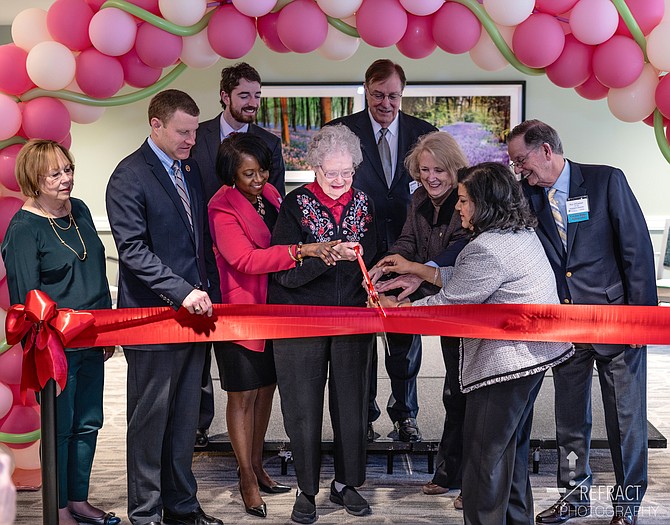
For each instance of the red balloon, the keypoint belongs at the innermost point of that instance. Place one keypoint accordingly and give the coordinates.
(7, 165)
(20, 420)
(46, 118)
(455, 29)
(647, 13)
(3, 273)
(554, 7)
(381, 23)
(8, 208)
(302, 26)
(417, 42)
(618, 62)
(592, 89)
(66, 142)
(67, 22)
(573, 67)
(14, 79)
(136, 72)
(4, 295)
(95, 4)
(230, 33)
(538, 41)
(98, 75)
(157, 48)
(662, 96)
(148, 5)
(267, 30)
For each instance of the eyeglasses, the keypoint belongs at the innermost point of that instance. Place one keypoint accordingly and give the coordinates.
(333, 174)
(379, 96)
(56, 176)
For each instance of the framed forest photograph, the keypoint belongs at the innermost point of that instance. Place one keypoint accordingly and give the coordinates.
(478, 115)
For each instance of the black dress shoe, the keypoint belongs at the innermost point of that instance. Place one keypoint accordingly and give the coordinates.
(197, 517)
(371, 435)
(408, 430)
(562, 511)
(350, 499)
(201, 438)
(277, 488)
(304, 509)
(109, 518)
(261, 511)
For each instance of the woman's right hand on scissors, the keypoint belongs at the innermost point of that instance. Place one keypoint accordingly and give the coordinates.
(346, 251)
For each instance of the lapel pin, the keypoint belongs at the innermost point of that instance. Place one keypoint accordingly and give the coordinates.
(188, 168)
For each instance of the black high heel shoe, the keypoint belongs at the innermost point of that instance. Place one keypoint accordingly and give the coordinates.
(261, 511)
(277, 488)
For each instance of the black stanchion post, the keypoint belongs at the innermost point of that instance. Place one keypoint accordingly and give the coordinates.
(48, 450)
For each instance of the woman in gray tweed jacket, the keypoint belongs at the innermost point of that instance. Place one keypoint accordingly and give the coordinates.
(503, 263)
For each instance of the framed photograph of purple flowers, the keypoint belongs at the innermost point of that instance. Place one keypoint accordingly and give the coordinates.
(478, 115)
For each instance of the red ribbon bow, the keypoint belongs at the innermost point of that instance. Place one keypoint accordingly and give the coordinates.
(47, 330)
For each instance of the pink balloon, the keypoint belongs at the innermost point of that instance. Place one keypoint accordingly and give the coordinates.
(157, 48)
(8, 208)
(618, 62)
(554, 7)
(10, 363)
(10, 123)
(381, 23)
(4, 295)
(267, 30)
(3, 273)
(98, 75)
(7, 165)
(573, 67)
(230, 33)
(592, 89)
(46, 118)
(14, 79)
(662, 96)
(20, 420)
(594, 21)
(302, 26)
(647, 13)
(136, 72)
(667, 134)
(148, 5)
(6, 400)
(538, 41)
(66, 142)
(95, 4)
(417, 42)
(649, 121)
(68, 20)
(113, 31)
(455, 29)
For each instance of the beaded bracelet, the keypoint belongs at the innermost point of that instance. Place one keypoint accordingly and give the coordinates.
(290, 253)
(299, 253)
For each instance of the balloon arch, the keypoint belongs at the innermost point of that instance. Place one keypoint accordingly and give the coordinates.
(68, 64)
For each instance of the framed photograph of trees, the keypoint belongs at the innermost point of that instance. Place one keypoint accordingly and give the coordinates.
(479, 115)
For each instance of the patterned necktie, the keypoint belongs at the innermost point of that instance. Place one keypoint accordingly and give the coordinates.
(385, 155)
(558, 218)
(180, 184)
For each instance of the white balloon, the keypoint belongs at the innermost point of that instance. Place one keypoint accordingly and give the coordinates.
(636, 101)
(254, 7)
(196, 51)
(51, 65)
(421, 7)
(82, 113)
(183, 12)
(658, 46)
(29, 28)
(485, 54)
(508, 13)
(11, 119)
(28, 458)
(338, 46)
(339, 8)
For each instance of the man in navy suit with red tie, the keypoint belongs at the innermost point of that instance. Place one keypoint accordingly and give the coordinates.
(596, 239)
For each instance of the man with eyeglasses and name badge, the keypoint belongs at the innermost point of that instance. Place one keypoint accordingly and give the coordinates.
(240, 96)
(386, 135)
(596, 239)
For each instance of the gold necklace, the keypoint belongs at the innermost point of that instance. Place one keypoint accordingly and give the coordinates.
(54, 225)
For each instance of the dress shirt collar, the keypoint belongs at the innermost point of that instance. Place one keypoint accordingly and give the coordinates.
(562, 184)
(165, 159)
(392, 128)
(225, 129)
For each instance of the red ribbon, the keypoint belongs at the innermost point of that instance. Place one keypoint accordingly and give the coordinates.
(48, 331)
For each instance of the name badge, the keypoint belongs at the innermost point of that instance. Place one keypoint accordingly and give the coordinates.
(577, 209)
(413, 186)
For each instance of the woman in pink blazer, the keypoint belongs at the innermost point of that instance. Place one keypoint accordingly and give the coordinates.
(242, 215)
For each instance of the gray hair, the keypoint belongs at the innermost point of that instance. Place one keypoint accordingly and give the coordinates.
(535, 133)
(332, 140)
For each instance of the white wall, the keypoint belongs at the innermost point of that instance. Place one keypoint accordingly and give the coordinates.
(588, 130)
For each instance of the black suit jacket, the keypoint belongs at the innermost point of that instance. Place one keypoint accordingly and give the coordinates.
(161, 259)
(207, 141)
(391, 204)
(609, 257)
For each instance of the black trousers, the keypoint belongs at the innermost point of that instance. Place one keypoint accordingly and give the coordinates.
(449, 460)
(304, 366)
(496, 443)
